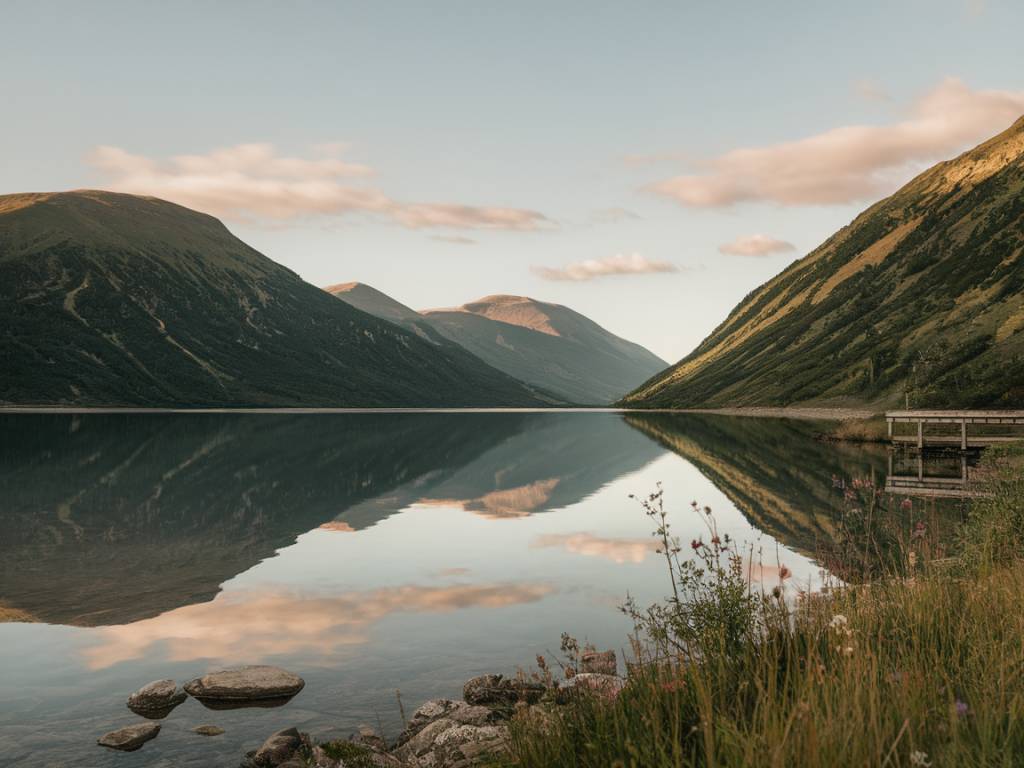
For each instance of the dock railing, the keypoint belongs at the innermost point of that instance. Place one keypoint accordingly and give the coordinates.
(967, 438)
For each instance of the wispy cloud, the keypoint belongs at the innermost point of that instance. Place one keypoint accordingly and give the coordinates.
(611, 215)
(852, 162)
(871, 90)
(756, 245)
(456, 239)
(617, 550)
(254, 182)
(620, 264)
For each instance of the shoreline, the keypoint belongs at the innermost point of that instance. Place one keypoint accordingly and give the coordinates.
(810, 413)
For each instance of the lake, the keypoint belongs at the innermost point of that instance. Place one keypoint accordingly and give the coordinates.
(369, 553)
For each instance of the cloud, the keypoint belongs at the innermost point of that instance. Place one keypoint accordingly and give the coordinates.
(258, 624)
(616, 550)
(756, 245)
(852, 162)
(621, 264)
(457, 239)
(254, 182)
(612, 215)
(870, 90)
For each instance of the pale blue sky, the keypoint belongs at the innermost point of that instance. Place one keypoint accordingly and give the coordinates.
(531, 106)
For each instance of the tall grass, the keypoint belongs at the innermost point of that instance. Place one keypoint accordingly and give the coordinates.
(917, 669)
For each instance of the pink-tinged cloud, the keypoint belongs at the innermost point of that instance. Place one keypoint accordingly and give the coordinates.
(255, 625)
(756, 245)
(620, 264)
(853, 162)
(617, 550)
(252, 182)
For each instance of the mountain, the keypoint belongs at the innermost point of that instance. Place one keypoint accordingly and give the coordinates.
(374, 302)
(918, 300)
(548, 346)
(112, 299)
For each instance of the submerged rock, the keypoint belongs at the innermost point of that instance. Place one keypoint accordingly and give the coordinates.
(208, 730)
(254, 684)
(599, 662)
(156, 700)
(130, 738)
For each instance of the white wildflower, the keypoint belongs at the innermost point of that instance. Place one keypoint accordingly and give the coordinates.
(919, 759)
(838, 622)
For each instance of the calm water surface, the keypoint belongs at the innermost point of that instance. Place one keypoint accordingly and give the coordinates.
(366, 552)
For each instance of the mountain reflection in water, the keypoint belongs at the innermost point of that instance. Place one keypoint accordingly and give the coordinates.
(366, 552)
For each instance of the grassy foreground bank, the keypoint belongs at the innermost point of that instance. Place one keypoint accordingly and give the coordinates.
(922, 668)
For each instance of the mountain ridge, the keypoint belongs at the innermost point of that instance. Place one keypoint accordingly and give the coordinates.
(916, 301)
(549, 346)
(114, 299)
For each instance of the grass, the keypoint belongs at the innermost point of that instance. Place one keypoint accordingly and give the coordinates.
(924, 667)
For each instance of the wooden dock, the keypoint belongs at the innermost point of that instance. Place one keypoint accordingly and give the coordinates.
(964, 419)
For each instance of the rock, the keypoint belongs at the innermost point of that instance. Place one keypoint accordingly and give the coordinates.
(348, 754)
(278, 748)
(131, 738)
(252, 684)
(451, 744)
(599, 662)
(208, 730)
(605, 686)
(157, 699)
(455, 711)
(497, 690)
(369, 737)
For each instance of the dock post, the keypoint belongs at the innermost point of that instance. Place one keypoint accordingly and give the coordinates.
(889, 424)
(963, 434)
(920, 433)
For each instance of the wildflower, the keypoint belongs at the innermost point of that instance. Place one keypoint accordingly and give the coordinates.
(707, 510)
(715, 540)
(777, 593)
(962, 709)
(912, 559)
(906, 505)
(784, 573)
(693, 503)
(848, 650)
(673, 685)
(838, 622)
(919, 759)
(919, 530)
(696, 544)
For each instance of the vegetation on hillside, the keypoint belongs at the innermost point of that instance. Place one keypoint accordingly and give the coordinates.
(924, 667)
(109, 299)
(917, 302)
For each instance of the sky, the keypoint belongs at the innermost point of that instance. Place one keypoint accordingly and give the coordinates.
(647, 164)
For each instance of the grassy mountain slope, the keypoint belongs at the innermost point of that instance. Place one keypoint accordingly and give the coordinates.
(548, 346)
(374, 302)
(111, 299)
(920, 299)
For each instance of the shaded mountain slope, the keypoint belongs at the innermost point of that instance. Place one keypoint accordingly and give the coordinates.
(919, 300)
(111, 299)
(548, 346)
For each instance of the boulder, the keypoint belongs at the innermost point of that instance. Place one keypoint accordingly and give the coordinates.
(446, 709)
(130, 738)
(605, 686)
(277, 749)
(208, 730)
(599, 662)
(449, 743)
(499, 691)
(246, 684)
(156, 700)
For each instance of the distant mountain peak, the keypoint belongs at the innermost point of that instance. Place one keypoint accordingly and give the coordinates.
(374, 302)
(519, 310)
